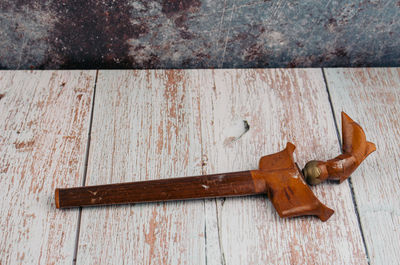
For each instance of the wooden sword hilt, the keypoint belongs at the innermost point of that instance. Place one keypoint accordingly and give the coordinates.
(355, 149)
(278, 176)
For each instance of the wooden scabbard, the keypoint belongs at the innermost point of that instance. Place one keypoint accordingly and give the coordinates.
(208, 186)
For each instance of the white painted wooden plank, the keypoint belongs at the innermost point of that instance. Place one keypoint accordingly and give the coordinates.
(44, 121)
(372, 98)
(280, 106)
(146, 126)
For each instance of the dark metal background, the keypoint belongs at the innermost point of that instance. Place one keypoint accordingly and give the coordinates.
(81, 34)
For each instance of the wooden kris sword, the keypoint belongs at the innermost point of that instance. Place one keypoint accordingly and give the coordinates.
(278, 176)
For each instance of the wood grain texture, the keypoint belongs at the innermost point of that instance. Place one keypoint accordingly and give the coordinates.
(372, 97)
(280, 106)
(146, 126)
(44, 121)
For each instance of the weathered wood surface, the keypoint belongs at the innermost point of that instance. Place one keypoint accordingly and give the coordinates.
(279, 106)
(146, 125)
(44, 122)
(163, 124)
(372, 97)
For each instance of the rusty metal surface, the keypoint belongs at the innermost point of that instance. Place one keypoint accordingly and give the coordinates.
(64, 34)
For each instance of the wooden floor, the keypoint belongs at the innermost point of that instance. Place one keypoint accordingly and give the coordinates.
(72, 128)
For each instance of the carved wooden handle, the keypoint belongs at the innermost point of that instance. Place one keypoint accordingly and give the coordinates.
(355, 150)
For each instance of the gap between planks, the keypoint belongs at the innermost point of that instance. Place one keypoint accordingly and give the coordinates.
(349, 179)
(78, 226)
(203, 163)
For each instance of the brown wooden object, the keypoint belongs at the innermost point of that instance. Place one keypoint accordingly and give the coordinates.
(281, 179)
(355, 150)
(278, 176)
(209, 186)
